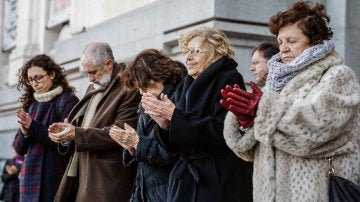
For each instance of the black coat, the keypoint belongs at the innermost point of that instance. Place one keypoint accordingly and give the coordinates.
(10, 191)
(208, 169)
(154, 162)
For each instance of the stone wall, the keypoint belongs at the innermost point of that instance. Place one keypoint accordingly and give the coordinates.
(157, 25)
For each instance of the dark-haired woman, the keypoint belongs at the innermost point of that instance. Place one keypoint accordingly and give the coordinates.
(47, 98)
(156, 73)
(308, 112)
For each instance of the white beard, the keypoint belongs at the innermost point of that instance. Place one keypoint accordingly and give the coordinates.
(103, 83)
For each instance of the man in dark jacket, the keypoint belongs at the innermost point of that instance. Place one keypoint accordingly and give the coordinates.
(97, 161)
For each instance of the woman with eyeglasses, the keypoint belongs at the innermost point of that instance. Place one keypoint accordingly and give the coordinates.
(192, 125)
(308, 112)
(260, 56)
(47, 98)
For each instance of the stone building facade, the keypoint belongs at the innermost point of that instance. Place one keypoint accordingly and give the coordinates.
(61, 28)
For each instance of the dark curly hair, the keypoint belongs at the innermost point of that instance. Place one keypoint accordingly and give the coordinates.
(48, 65)
(311, 19)
(151, 64)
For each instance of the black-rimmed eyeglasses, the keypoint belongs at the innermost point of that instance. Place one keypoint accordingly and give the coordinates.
(37, 79)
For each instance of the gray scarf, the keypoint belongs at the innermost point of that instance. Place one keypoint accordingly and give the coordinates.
(280, 74)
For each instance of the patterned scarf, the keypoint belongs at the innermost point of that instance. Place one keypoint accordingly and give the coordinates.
(280, 74)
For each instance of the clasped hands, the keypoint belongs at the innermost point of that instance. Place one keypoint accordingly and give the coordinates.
(242, 103)
(11, 169)
(24, 120)
(160, 110)
(61, 132)
(128, 138)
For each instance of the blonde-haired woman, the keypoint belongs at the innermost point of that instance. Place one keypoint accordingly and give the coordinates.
(192, 126)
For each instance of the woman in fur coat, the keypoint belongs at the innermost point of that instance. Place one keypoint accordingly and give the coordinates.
(308, 112)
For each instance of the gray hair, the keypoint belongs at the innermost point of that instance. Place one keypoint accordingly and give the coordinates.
(99, 52)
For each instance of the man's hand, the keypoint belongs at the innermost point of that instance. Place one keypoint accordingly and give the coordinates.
(61, 132)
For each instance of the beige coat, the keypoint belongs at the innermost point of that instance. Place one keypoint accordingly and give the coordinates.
(315, 116)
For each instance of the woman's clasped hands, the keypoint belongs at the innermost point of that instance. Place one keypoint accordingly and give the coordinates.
(242, 103)
(24, 120)
(160, 110)
(128, 138)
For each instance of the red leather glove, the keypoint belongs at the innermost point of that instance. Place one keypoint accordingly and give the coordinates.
(225, 93)
(244, 102)
(244, 120)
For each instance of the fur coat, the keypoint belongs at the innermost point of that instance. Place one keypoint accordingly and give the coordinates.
(315, 116)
